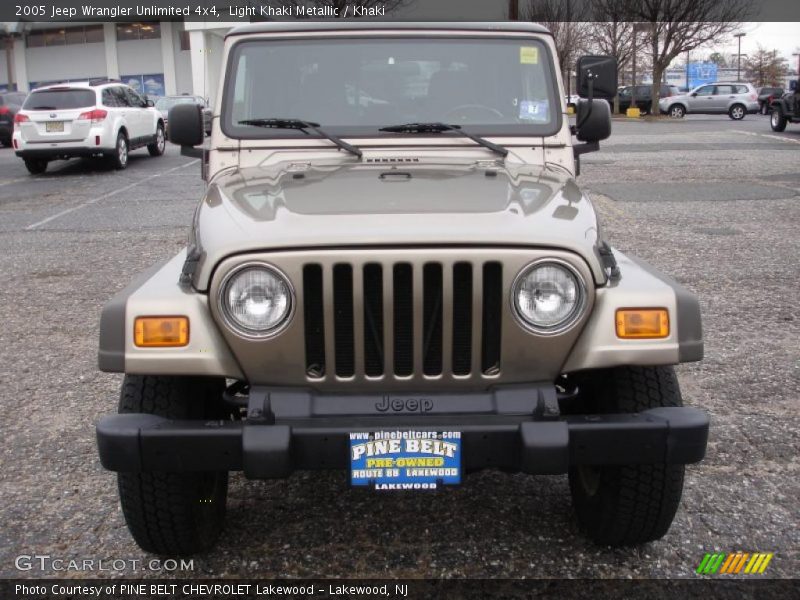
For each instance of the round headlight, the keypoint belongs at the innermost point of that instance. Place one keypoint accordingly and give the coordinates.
(256, 300)
(549, 296)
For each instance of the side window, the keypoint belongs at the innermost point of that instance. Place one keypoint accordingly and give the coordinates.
(135, 99)
(120, 96)
(724, 90)
(108, 98)
(625, 92)
(742, 89)
(706, 90)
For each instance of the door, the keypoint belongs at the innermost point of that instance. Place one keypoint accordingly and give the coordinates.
(702, 99)
(723, 97)
(140, 118)
(120, 105)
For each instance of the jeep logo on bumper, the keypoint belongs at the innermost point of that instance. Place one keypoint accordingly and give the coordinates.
(404, 404)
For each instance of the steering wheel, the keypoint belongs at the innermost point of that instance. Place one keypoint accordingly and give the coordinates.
(473, 107)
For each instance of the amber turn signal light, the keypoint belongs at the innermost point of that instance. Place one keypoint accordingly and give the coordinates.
(642, 323)
(161, 332)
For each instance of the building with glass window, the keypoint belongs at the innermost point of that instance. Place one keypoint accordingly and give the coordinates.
(156, 58)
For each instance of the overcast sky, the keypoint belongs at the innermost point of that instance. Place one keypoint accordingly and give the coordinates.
(783, 37)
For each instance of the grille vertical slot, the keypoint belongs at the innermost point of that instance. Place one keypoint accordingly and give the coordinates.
(373, 320)
(314, 320)
(432, 319)
(403, 319)
(492, 318)
(343, 320)
(462, 318)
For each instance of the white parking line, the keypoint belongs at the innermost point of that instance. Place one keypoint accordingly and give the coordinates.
(108, 195)
(10, 181)
(768, 135)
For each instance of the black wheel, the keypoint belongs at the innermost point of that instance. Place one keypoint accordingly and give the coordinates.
(119, 159)
(157, 147)
(676, 111)
(634, 504)
(174, 513)
(36, 166)
(737, 112)
(777, 120)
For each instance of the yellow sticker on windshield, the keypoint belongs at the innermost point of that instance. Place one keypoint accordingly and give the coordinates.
(529, 55)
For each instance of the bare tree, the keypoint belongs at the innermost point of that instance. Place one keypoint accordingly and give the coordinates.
(611, 34)
(571, 37)
(677, 26)
(765, 67)
(718, 58)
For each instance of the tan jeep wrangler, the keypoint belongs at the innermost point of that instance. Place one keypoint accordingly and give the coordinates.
(394, 273)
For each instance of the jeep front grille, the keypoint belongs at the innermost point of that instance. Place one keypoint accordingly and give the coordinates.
(402, 319)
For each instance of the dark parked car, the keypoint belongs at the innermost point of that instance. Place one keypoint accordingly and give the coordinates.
(9, 105)
(786, 109)
(644, 99)
(765, 97)
(164, 103)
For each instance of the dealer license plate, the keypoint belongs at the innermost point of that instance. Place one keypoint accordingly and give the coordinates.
(405, 460)
(54, 126)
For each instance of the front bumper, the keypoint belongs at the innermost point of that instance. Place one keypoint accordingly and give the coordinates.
(516, 428)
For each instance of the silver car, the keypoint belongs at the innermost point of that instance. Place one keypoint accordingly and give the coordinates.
(733, 99)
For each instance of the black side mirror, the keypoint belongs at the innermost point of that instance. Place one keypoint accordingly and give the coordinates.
(594, 120)
(149, 103)
(186, 127)
(693, 94)
(793, 85)
(597, 76)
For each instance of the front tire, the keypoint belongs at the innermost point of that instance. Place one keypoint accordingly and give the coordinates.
(737, 112)
(777, 120)
(676, 111)
(174, 513)
(36, 166)
(631, 504)
(157, 147)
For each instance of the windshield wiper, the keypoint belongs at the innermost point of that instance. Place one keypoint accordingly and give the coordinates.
(441, 127)
(300, 124)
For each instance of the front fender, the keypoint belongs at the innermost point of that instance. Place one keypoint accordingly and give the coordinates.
(639, 286)
(157, 292)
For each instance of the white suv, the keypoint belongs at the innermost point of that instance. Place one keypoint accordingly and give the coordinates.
(107, 119)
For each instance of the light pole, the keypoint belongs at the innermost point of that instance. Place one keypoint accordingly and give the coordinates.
(687, 71)
(797, 54)
(739, 55)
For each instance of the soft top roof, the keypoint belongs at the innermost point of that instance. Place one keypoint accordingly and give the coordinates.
(367, 25)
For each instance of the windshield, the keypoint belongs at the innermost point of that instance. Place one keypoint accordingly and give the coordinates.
(354, 87)
(167, 103)
(59, 99)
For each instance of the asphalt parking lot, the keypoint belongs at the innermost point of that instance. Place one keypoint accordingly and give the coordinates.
(713, 202)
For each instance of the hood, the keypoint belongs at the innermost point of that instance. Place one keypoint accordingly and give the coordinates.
(302, 206)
